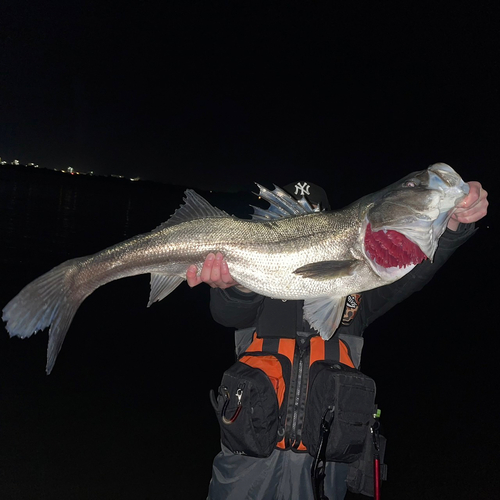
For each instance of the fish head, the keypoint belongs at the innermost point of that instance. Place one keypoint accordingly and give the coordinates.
(412, 213)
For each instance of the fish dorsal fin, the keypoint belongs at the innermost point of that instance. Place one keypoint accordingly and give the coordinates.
(324, 314)
(162, 285)
(195, 207)
(281, 205)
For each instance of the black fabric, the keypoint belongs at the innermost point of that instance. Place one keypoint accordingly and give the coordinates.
(332, 350)
(247, 408)
(349, 396)
(279, 318)
(360, 478)
(233, 308)
(271, 345)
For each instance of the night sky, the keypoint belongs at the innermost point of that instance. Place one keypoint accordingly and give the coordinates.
(219, 94)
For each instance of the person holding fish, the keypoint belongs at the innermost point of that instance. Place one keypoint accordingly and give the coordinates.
(281, 338)
(300, 284)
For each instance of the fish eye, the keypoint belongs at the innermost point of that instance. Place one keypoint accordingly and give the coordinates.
(411, 183)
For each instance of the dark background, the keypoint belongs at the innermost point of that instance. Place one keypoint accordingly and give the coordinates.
(217, 95)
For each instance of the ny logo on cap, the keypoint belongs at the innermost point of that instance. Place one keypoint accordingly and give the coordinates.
(303, 188)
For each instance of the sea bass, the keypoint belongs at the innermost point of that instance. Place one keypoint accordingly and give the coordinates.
(287, 252)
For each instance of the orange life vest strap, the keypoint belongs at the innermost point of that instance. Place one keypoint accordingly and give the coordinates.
(282, 346)
(317, 345)
(287, 348)
(334, 349)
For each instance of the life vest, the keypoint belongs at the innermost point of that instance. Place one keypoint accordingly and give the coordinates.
(287, 363)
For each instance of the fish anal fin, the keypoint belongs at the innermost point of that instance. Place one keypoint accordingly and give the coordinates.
(328, 269)
(162, 285)
(324, 314)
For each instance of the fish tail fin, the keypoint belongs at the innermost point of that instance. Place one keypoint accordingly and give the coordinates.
(48, 301)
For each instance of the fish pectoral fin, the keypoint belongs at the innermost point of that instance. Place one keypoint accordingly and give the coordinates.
(328, 269)
(324, 314)
(162, 285)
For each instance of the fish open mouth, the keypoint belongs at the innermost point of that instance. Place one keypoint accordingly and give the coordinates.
(391, 249)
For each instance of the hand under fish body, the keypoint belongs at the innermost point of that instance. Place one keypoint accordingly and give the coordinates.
(286, 252)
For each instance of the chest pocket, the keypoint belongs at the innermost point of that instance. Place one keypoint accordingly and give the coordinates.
(345, 398)
(250, 403)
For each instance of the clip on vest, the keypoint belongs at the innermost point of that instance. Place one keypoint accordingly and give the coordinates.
(227, 397)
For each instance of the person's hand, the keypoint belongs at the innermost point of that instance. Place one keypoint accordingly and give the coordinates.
(472, 208)
(214, 272)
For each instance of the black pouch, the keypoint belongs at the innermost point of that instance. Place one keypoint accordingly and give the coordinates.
(360, 478)
(249, 404)
(349, 397)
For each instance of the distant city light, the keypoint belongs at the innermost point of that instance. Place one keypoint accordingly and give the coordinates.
(68, 170)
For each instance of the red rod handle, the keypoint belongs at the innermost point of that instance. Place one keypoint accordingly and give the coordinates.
(376, 473)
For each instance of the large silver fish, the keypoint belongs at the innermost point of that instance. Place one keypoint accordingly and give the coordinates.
(286, 252)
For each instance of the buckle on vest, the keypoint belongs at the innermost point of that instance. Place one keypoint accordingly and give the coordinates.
(227, 397)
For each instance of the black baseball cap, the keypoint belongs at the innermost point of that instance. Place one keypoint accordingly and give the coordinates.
(312, 192)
